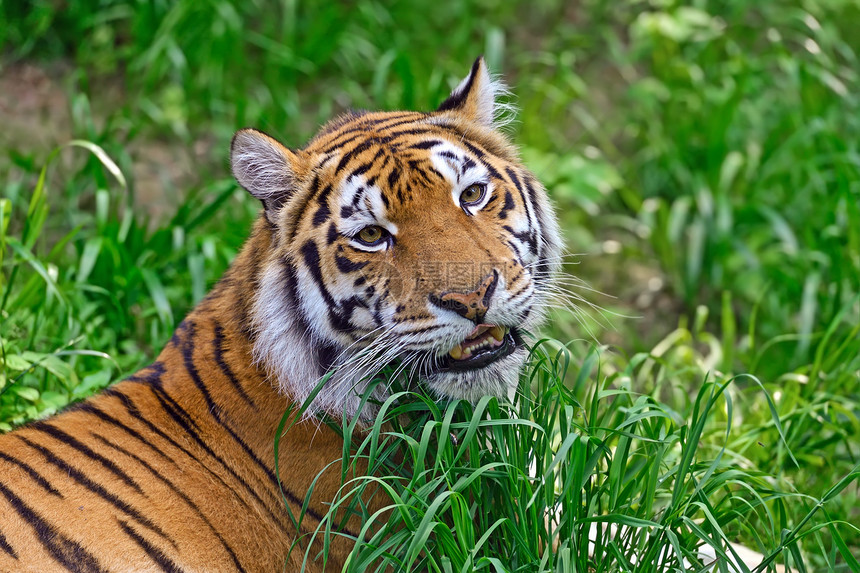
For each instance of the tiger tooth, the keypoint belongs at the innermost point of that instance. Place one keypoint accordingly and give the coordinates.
(456, 352)
(498, 332)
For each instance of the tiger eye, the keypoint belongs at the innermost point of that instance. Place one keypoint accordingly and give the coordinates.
(370, 234)
(472, 194)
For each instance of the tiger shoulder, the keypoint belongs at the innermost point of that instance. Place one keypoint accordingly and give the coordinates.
(409, 238)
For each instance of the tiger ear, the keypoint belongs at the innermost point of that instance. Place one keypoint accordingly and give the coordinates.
(475, 97)
(264, 167)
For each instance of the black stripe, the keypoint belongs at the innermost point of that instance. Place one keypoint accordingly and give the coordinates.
(218, 349)
(393, 119)
(315, 185)
(311, 255)
(186, 348)
(427, 144)
(458, 98)
(517, 254)
(345, 265)
(381, 125)
(421, 330)
(338, 131)
(326, 356)
(341, 317)
(182, 418)
(94, 487)
(359, 195)
(170, 406)
(332, 234)
(239, 294)
(526, 237)
(339, 321)
(323, 212)
(393, 177)
(488, 294)
(178, 492)
(76, 444)
(538, 212)
(154, 370)
(490, 169)
(477, 151)
(338, 143)
(133, 411)
(140, 461)
(463, 137)
(416, 167)
(385, 161)
(422, 130)
(542, 273)
(524, 312)
(347, 157)
(291, 295)
(517, 276)
(153, 552)
(526, 204)
(350, 116)
(34, 475)
(509, 204)
(346, 212)
(325, 158)
(8, 549)
(453, 157)
(364, 168)
(515, 180)
(91, 409)
(522, 289)
(435, 172)
(382, 196)
(68, 553)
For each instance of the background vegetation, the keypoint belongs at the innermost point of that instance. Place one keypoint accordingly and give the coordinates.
(703, 157)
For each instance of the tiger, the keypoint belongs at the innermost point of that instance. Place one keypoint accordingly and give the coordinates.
(416, 240)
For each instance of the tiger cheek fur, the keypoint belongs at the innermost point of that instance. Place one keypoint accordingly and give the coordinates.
(404, 238)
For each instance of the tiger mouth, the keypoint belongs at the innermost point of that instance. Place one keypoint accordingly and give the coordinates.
(484, 345)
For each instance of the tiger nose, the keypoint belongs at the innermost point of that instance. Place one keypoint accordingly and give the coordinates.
(471, 305)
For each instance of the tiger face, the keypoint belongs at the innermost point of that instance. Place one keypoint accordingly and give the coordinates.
(399, 238)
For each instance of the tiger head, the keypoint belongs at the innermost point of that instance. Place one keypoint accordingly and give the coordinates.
(410, 239)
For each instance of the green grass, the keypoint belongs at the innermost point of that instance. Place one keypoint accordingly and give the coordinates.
(590, 476)
(703, 158)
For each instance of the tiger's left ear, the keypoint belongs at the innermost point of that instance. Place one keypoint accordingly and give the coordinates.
(475, 97)
(264, 167)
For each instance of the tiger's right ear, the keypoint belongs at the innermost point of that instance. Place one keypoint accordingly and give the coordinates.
(475, 97)
(264, 168)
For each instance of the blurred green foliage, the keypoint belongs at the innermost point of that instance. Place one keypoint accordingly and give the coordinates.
(704, 154)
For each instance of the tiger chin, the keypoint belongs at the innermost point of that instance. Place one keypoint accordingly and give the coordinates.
(414, 240)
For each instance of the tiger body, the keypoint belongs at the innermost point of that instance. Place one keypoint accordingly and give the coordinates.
(149, 476)
(410, 238)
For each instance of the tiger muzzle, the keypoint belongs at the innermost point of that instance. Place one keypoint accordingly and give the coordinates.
(470, 305)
